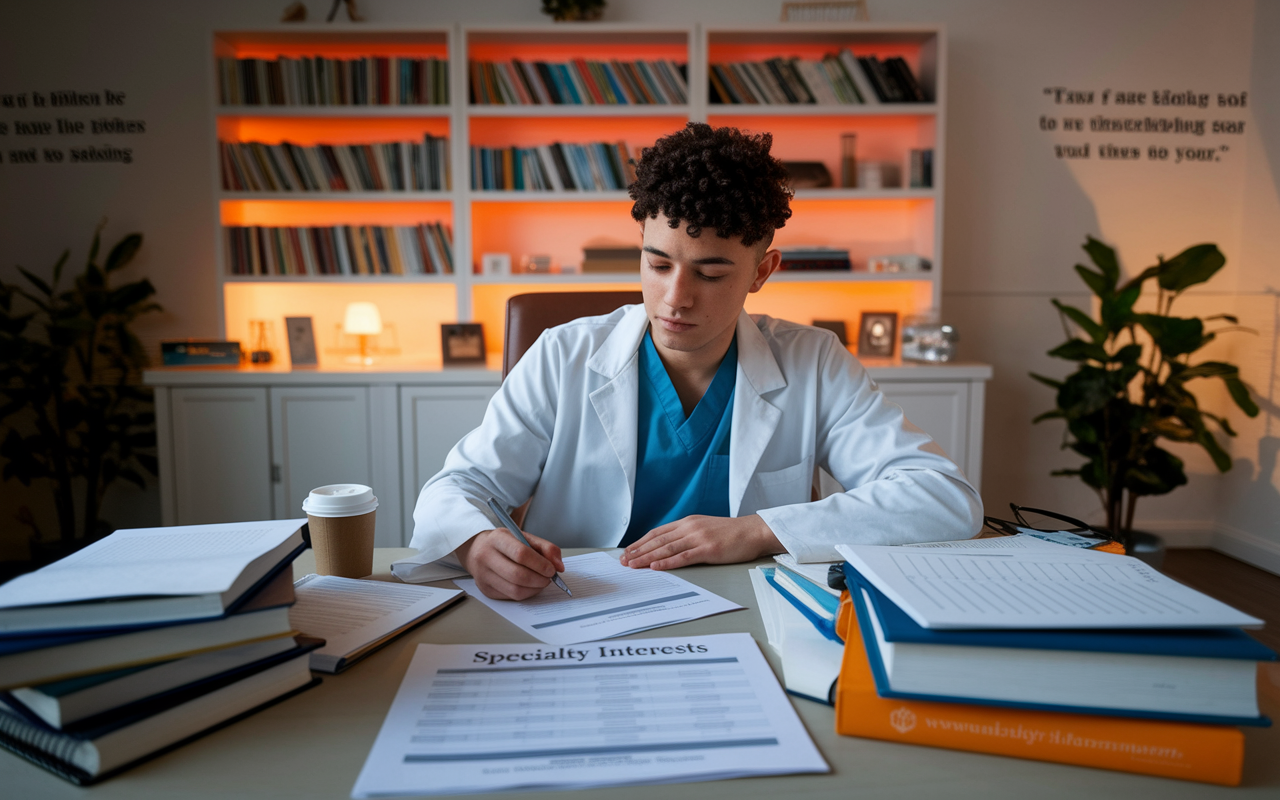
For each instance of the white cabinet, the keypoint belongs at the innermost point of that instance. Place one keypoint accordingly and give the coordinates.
(249, 444)
(432, 420)
(220, 456)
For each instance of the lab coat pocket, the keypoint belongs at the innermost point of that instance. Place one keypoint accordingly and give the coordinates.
(783, 487)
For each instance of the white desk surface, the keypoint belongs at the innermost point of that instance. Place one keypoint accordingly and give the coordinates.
(313, 745)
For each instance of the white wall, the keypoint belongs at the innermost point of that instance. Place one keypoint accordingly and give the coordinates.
(1015, 214)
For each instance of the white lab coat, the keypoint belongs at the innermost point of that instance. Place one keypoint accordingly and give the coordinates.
(562, 430)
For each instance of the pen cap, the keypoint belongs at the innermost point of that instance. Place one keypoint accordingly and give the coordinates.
(340, 500)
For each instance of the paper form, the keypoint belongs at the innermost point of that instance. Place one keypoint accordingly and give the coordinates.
(352, 614)
(608, 600)
(475, 718)
(1037, 588)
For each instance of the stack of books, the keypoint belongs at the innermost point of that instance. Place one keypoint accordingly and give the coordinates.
(799, 259)
(578, 82)
(146, 640)
(1048, 653)
(611, 259)
(425, 249)
(838, 79)
(377, 167)
(320, 81)
(557, 167)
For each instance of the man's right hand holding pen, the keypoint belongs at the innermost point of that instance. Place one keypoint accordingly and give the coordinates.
(505, 569)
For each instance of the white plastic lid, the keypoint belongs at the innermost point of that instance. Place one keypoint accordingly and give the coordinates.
(340, 500)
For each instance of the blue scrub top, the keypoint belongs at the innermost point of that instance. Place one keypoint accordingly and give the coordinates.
(682, 464)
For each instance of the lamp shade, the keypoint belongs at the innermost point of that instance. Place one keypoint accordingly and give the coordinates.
(362, 318)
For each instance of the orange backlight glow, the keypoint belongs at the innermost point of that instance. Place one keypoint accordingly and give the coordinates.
(310, 213)
(308, 131)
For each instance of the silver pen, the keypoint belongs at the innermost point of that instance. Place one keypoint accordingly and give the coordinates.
(504, 519)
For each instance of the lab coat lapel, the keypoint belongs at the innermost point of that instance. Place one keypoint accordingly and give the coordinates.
(617, 402)
(754, 419)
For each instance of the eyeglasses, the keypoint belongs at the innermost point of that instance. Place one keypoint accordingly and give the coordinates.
(1039, 520)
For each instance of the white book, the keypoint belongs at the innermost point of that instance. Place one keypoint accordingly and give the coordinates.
(149, 575)
(549, 168)
(356, 617)
(817, 81)
(1044, 588)
(860, 79)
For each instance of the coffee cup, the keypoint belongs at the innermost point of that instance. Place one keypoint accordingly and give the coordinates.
(341, 518)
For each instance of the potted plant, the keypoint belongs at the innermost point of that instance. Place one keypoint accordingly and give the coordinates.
(573, 10)
(1132, 385)
(71, 405)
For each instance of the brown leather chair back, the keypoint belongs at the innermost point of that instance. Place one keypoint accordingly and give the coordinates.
(528, 315)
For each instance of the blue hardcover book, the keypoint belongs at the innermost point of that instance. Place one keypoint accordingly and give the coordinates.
(826, 626)
(1194, 675)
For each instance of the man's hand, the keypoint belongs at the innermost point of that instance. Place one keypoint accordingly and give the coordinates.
(703, 540)
(505, 569)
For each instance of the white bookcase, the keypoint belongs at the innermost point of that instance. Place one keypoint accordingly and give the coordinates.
(866, 221)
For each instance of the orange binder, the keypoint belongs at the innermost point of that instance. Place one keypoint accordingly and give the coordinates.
(1207, 753)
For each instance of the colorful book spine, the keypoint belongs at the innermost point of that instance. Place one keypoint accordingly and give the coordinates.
(1187, 751)
(287, 167)
(581, 81)
(339, 250)
(320, 81)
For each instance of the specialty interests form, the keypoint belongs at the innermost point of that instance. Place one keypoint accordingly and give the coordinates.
(473, 718)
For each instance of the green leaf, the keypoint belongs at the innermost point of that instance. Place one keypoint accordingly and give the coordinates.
(1174, 336)
(1127, 355)
(1096, 281)
(37, 282)
(1142, 277)
(1207, 369)
(1050, 382)
(1104, 258)
(123, 252)
(1196, 264)
(1054, 414)
(57, 268)
(1086, 323)
(1234, 320)
(1117, 309)
(1158, 472)
(1079, 350)
(1240, 394)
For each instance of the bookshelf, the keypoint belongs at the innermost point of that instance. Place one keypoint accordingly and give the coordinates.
(867, 222)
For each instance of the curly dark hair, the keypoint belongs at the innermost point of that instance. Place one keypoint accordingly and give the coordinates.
(719, 178)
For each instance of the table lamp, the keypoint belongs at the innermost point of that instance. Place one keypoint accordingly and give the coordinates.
(363, 320)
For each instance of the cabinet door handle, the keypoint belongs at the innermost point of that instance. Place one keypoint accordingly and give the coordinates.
(277, 475)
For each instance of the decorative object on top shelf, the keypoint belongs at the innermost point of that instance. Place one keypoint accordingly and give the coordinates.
(294, 12)
(462, 343)
(573, 10)
(536, 264)
(807, 174)
(353, 13)
(302, 341)
(846, 11)
(814, 257)
(836, 326)
(580, 82)
(906, 262)
(363, 320)
(926, 339)
(878, 334)
(76, 418)
(1129, 393)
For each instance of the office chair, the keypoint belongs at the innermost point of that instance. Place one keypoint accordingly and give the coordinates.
(528, 315)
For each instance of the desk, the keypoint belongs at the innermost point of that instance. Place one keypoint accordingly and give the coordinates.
(313, 745)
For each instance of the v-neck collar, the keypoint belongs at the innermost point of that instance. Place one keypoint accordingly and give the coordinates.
(707, 414)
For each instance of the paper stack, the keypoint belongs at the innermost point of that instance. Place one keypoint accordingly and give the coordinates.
(146, 639)
(1077, 656)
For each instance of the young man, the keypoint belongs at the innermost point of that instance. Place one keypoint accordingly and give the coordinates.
(684, 429)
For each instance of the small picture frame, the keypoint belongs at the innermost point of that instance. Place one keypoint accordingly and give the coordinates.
(462, 343)
(495, 263)
(302, 341)
(836, 326)
(878, 334)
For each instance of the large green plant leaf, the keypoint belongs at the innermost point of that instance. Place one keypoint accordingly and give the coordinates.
(1079, 350)
(1196, 264)
(1095, 331)
(1104, 258)
(1096, 281)
(1174, 336)
(1117, 308)
(123, 252)
(1240, 394)
(1158, 472)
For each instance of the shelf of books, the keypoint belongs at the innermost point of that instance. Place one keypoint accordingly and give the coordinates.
(398, 160)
